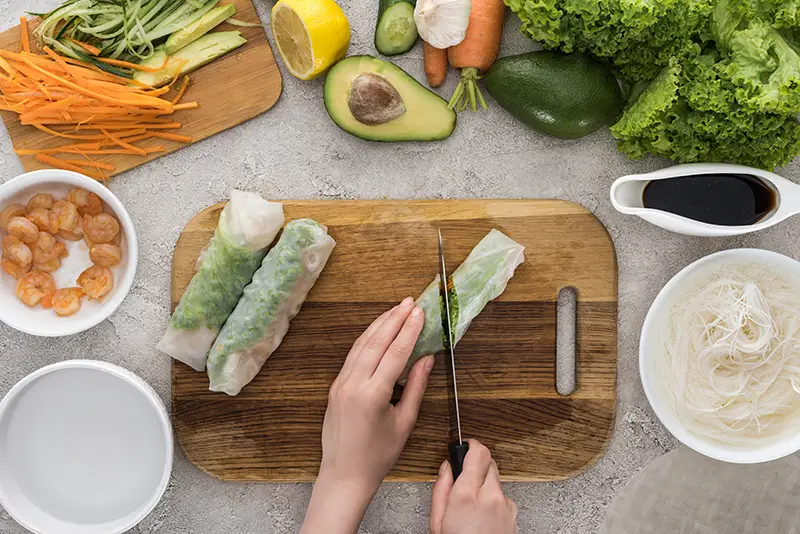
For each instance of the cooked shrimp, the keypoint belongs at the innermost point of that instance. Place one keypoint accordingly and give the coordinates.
(40, 217)
(48, 266)
(87, 203)
(96, 282)
(14, 269)
(23, 229)
(46, 249)
(105, 255)
(40, 200)
(63, 216)
(102, 228)
(16, 251)
(76, 234)
(14, 210)
(67, 301)
(36, 288)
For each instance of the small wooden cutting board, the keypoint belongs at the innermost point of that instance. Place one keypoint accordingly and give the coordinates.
(387, 250)
(230, 90)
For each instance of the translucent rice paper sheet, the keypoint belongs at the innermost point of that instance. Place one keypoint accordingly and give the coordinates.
(247, 226)
(482, 278)
(261, 318)
(684, 492)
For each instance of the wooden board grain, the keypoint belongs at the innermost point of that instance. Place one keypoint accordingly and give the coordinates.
(230, 90)
(386, 250)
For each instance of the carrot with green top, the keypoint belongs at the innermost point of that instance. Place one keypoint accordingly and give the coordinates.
(477, 52)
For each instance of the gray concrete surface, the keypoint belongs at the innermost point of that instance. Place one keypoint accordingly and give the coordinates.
(294, 151)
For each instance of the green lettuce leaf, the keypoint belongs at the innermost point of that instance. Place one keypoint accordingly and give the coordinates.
(638, 36)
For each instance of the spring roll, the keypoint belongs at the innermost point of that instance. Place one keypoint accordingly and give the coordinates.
(482, 278)
(261, 318)
(247, 226)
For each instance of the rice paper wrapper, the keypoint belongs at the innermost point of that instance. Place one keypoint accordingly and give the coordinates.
(482, 278)
(261, 318)
(246, 227)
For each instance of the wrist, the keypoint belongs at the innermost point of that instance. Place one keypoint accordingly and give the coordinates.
(337, 504)
(353, 490)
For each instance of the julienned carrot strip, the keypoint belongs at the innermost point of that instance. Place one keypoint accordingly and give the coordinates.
(181, 91)
(172, 137)
(59, 164)
(187, 105)
(123, 144)
(91, 163)
(75, 146)
(25, 41)
(6, 66)
(128, 65)
(47, 130)
(86, 137)
(148, 150)
(143, 125)
(86, 46)
(66, 68)
(133, 139)
(43, 110)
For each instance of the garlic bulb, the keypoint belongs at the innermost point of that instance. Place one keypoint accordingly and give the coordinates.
(442, 23)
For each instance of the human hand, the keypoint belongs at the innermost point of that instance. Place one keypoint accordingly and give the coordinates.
(473, 504)
(363, 434)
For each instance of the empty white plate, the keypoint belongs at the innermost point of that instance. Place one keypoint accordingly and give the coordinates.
(85, 447)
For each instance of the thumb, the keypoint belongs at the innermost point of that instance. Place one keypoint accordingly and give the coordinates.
(441, 492)
(411, 400)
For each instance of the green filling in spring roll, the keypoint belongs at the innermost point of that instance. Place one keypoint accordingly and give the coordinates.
(480, 279)
(247, 226)
(261, 318)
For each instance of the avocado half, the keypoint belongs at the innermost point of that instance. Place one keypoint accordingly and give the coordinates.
(378, 101)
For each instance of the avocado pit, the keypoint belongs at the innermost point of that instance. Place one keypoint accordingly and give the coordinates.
(374, 101)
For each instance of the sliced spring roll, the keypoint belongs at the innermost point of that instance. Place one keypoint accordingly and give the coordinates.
(247, 226)
(261, 318)
(480, 279)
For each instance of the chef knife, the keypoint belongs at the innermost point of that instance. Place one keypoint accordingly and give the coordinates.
(458, 449)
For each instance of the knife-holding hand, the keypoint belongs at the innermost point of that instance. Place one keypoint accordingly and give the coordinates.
(474, 503)
(363, 434)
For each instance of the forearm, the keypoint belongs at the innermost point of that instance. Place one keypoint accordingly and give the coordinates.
(337, 506)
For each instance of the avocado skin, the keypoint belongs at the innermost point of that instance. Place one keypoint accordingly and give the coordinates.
(427, 117)
(563, 95)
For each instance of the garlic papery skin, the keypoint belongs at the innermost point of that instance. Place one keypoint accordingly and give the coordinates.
(442, 23)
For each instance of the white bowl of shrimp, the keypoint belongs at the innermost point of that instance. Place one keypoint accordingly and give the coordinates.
(69, 253)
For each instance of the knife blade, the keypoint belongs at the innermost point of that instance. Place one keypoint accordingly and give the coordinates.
(457, 449)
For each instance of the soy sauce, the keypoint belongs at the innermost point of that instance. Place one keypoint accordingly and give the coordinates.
(723, 199)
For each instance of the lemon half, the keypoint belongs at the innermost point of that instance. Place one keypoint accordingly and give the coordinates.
(311, 35)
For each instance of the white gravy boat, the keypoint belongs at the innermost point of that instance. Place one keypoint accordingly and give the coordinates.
(626, 197)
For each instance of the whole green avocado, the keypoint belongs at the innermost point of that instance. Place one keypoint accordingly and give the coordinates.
(563, 95)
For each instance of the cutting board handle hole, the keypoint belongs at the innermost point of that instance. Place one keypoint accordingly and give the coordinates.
(566, 321)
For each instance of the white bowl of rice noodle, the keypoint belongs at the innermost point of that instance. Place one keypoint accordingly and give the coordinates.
(719, 356)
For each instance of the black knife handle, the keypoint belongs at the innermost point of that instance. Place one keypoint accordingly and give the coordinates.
(458, 451)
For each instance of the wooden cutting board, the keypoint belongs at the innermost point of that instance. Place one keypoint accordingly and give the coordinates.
(386, 250)
(230, 90)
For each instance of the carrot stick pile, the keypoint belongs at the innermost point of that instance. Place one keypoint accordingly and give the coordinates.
(99, 113)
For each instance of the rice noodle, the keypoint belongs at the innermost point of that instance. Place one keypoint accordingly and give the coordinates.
(731, 368)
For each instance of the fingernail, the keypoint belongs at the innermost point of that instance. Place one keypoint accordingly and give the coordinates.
(429, 362)
(443, 467)
(407, 302)
(417, 313)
